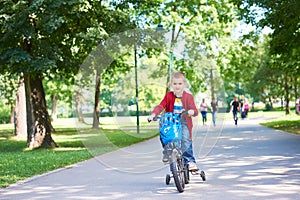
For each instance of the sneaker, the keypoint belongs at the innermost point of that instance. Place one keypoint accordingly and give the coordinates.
(165, 158)
(193, 166)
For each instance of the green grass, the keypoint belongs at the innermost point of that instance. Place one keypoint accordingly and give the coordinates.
(75, 145)
(290, 123)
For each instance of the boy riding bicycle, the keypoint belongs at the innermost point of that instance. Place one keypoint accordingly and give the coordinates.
(177, 101)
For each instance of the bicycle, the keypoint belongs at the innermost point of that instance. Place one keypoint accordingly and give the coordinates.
(171, 135)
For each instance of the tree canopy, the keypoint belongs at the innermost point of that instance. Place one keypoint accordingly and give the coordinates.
(50, 41)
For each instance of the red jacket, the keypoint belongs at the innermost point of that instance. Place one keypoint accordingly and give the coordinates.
(167, 105)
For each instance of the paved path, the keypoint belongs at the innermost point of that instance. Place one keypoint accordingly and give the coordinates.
(244, 162)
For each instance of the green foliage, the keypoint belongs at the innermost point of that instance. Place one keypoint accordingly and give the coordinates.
(200, 24)
(282, 16)
(277, 65)
(4, 114)
(61, 86)
(55, 37)
(8, 86)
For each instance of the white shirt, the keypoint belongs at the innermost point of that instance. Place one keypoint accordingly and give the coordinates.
(203, 107)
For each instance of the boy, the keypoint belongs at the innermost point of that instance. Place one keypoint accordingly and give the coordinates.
(177, 101)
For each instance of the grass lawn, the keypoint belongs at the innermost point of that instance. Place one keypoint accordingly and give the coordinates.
(290, 123)
(75, 145)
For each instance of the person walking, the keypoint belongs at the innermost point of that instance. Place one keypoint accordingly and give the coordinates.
(246, 108)
(203, 110)
(242, 111)
(235, 108)
(297, 106)
(214, 109)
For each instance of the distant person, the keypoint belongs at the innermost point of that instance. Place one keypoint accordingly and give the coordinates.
(203, 110)
(298, 105)
(246, 108)
(242, 111)
(235, 108)
(214, 109)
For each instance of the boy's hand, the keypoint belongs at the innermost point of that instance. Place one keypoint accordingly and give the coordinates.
(150, 118)
(191, 112)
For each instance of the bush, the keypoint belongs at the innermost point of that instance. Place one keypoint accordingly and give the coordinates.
(4, 115)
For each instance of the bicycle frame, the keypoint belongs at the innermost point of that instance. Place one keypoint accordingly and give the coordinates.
(178, 168)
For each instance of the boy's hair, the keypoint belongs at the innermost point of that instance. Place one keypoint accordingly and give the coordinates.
(178, 75)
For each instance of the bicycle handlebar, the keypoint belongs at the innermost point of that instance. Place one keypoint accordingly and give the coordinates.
(154, 119)
(158, 117)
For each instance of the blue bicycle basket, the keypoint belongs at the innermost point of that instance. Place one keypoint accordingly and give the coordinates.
(170, 127)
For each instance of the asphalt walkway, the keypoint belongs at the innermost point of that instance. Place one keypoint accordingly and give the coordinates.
(247, 161)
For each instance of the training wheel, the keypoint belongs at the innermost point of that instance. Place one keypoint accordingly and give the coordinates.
(202, 174)
(168, 179)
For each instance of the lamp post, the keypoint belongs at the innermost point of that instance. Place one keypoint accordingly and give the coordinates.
(171, 56)
(136, 92)
(159, 28)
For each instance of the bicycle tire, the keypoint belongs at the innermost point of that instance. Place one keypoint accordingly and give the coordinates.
(176, 166)
(186, 174)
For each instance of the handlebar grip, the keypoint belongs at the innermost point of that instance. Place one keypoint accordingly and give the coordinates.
(154, 119)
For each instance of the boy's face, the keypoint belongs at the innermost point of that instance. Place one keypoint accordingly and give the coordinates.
(178, 85)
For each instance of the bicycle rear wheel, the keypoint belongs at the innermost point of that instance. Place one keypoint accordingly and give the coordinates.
(186, 174)
(176, 166)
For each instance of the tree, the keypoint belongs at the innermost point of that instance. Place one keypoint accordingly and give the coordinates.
(58, 88)
(121, 12)
(20, 113)
(196, 30)
(283, 18)
(121, 23)
(38, 38)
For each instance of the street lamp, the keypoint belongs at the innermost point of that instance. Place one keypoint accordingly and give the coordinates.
(158, 28)
(136, 92)
(171, 56)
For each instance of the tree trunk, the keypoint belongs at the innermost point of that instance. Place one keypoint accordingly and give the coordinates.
(97, 102)
(38, 121)
(212, 82)
(271, 103)
(287, 94)
(54, 107)
(78, 107)
(296, 92)
(20, 114)
(12, 113)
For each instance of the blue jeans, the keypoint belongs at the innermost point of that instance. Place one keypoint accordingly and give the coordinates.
(187, 145)
(235, 116)
(214, 116)
(204, 118)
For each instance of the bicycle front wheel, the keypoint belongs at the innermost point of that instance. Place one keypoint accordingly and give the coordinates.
(176, 166)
